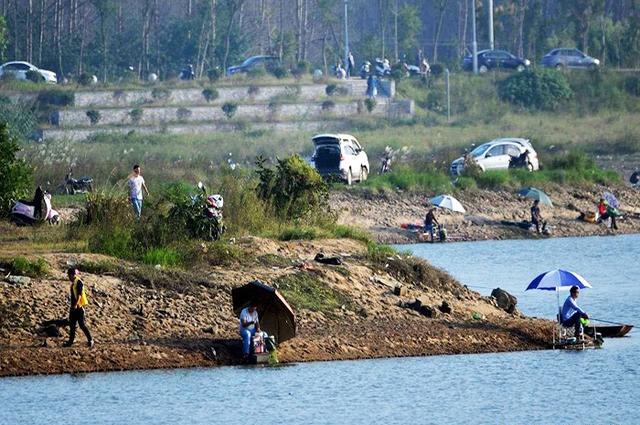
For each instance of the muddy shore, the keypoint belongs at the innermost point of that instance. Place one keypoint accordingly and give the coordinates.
(148, 318)
(382, 214)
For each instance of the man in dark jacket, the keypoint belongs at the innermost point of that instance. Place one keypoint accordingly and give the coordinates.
(78, 299)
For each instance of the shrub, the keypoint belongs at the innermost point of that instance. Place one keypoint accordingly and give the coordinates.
(163, 256)
(257, 73)
(229, 109)
(294, 189)
(465, 183)
(370, 103)
(300, 233)
(183, 114)
(32, 268)
(437, 69)
(214, 74)
(47, 98)
(436, 101)
(305, 290)
(35, 76)
(85, 79)
(398, 72)
(405, 178)
(331, 89)
(94, 116)
(303, 67)
(136, 115)
(210, 94)
(328, 105)
(280, 72)
(632, 85)
(253, 90)
(117, 241)
(15, 174)
(493, 179)
(542, 89)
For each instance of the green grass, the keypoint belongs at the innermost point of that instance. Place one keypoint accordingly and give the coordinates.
(304, 290)
(25, 267)
(166, 257)
(406, 179)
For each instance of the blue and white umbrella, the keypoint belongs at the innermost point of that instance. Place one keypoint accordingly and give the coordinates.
(447, 202)
(555, 280)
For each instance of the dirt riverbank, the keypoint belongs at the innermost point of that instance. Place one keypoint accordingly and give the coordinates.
(149, 318)
(382, 214)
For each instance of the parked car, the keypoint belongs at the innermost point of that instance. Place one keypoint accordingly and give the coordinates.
(341, 156)
(20, 69)
(497, 154)
(569, 58)
(495, 59)
(254, 62)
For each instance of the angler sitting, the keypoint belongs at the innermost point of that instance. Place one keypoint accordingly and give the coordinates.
(572, 315)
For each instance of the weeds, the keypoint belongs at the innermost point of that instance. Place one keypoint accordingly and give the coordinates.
(26, 267)
(306, 291)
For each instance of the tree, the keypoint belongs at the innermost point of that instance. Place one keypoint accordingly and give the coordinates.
(15, 174)
(4, 37)
(440, 6)
(409, 27)
(583, 13)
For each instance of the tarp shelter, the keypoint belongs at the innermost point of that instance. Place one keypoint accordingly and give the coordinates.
(276, 316)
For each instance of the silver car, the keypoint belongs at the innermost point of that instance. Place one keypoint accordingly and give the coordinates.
(341, 156)
(497, 155)
(569, 58)
(19, 70)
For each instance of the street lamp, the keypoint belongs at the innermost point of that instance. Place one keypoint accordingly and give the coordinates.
(346, 34)
(474, 44)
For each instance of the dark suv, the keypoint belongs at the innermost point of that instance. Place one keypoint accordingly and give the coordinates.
(569, 58)
(255, 62)
(495, 59)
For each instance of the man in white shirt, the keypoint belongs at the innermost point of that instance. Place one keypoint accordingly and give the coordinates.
(136, 185)
(249, 325)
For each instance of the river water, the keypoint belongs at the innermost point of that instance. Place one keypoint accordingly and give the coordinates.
(542, 387)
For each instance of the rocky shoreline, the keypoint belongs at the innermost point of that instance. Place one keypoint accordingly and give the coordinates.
(146, 318)
(383, 213)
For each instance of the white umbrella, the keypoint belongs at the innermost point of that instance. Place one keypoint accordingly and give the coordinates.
(448, 202)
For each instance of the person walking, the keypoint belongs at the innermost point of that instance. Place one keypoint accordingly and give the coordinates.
(78, 299)
(136, 185)
(351, 65)
(536, 217)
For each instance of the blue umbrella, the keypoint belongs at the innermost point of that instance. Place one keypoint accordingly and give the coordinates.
(554, 280)
(537, 194)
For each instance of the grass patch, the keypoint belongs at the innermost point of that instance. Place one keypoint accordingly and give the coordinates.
(25, 267)
(166, 257)
(406, 178)
(273, 260)
(294, 233)
(305, 291)
(379, 253)
(219, 253)
(98, 267)
(341, 231)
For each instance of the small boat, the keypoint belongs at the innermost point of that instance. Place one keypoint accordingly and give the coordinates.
(608, 331)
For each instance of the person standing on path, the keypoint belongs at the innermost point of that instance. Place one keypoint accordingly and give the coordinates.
(429, 220)
(136, 185)
(351, 65)
(78, 299)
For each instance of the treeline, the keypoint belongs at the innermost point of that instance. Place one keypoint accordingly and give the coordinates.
(107, 37)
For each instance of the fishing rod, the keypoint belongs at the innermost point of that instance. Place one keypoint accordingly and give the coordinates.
(607, 321)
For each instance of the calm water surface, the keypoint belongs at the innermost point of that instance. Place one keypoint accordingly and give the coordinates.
(546, 387)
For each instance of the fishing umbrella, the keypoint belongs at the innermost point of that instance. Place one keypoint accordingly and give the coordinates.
(611, 200)
(447, 202)
(537, 194)
(276, 316)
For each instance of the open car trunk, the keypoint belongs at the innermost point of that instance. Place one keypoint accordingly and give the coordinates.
(327, 158)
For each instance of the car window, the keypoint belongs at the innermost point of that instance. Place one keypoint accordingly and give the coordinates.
(349, 150)
(356, 145)
(480, 150)
(496, 150)
(512, 150)
(16, 67)
(502, 55)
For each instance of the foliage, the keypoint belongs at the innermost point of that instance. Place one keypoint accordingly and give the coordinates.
(59, 98)
(409, 27)
(25, 267)
(229, 109)
(4, 37)
(542, 89)
(85, 79)
(632, 85)
(437, 69)
(280, 72)
(331, 89)
(94, 116)
(301, 68)
(136, 115)
(210, 94)
(328, 105)
(19, 118)
(183, 114)
(160, 94)
(15, 174)
(35, 76)
(370, 103)
(253, 90)
(214, 74)
(306, 291)
(294, 190)
(163, 256)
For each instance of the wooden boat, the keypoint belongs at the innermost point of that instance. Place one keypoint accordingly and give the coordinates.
(609, 331)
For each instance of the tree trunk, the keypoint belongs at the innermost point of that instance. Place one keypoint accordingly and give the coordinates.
(395, 32)
(522, 13)
(442, 5)
(41, 30)
(30, 31)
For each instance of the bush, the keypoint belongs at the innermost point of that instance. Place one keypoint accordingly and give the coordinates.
(493, 179)
(280, 72)
(214, 74)
(398, 72)
(136, 115)
(405, 178)
(303, 67)
(210, 94)
(94, 116)
(328, 105)
(253, 90)
(15, 174)
(331, 89)
(229, 109)
(48, 98)
(183, 114)
(294, 190)
(160, 94)
(632, 85)
(437, 69)
(370, 103)
(436, 101)
(85, 79)
(32, 268)
(163, 256)
(35, 76)
(542, 89)
(465, 183)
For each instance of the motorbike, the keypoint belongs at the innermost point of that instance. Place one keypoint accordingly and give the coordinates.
(38, 210)
(201, 215)
(635, 179)
(385, 162)
(521, 161)
(382, 68)
(187, 73)
(365, 69)
(72, 186)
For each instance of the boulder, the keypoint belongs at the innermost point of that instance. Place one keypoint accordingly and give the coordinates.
(445, 308)
(19, 280)
(400, 291)
(505, 300)
(428, 311)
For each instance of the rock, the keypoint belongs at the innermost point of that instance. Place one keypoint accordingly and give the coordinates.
(445, 308)
(51, 330)
(428, 311)
(400, 291)
(19, 280)
(505, 300)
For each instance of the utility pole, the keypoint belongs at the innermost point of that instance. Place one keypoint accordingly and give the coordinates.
(491, 44)
(446, 75)
(474, 44)
(346, 33)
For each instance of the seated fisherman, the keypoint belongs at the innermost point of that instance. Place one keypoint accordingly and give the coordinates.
(249, 325)
(571, 313)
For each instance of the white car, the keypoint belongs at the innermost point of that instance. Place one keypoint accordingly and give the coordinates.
(340, 155)
(20, 69)
(497, 154)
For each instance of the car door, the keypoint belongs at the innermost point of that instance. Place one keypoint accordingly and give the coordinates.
(494, 158)
(350, 159)
(362, 160)
(489, 59)
(575, 58)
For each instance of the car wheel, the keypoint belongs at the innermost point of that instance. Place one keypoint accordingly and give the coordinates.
(530, 167)
(593, 67)
(483, 69)
(559, 66)
(364, 174)
(520, 68)
(349, 177)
